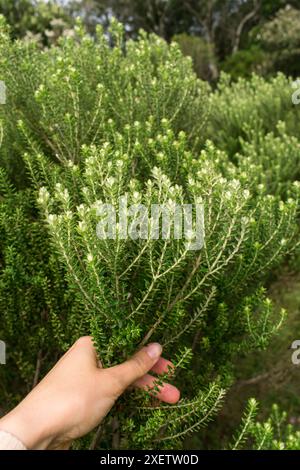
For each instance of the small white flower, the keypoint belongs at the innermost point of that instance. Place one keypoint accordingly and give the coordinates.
(110, 181)
(190, 235)
(82, 226)
(39, 91)
(96, 205)
(89, 171)
(68, 214)
(43, 196)
(136, 196)
(52, 218)
(235, 183)
(171, 204)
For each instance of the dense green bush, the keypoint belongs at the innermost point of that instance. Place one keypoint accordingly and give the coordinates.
(239, 109)
(90, 121)
(202, 54)
(275, 433)
(66, 95)
(246, 62)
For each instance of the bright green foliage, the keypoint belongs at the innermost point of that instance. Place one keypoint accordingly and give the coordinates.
(251, 106)
(129, 292)
(96, 122)
(270, 162)
(32, 292)
(276, 154)
(67, 96)
(246, 425)
(275, 433)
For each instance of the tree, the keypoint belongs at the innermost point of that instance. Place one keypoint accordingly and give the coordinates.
(163, 17)
(280, 39)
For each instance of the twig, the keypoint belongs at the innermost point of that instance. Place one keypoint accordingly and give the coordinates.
(96, 437)
(37, 369)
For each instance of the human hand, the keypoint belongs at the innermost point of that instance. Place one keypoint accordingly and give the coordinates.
(77, 393)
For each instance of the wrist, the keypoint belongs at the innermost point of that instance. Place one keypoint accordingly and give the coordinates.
(26, 428)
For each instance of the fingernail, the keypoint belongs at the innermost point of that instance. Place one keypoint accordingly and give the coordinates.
(154, 350)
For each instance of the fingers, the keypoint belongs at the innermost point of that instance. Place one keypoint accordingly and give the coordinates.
(84, 350)
(163, 366)
(167, 392)
(133, 369)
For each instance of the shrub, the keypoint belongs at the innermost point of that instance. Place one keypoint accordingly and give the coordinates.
(202, 53)
(97, 121)
(66, 95)
(239, 109)
(275, 433)
(246, 62)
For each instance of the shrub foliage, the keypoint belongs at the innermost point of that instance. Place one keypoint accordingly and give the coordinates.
(88, 121)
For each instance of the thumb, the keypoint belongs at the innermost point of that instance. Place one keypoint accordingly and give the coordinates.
(137, 366)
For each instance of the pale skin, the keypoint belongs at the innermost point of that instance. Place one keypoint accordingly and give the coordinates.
(77, 393)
